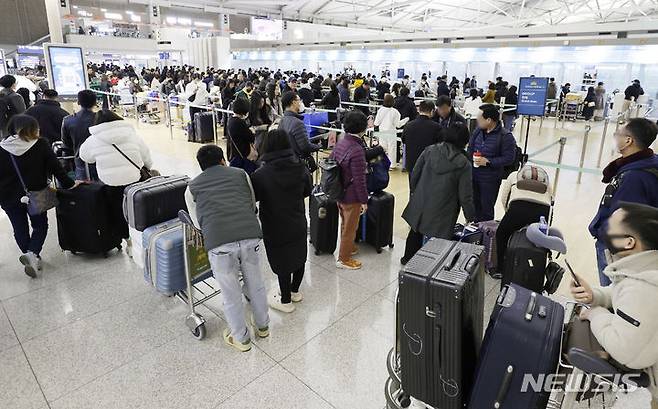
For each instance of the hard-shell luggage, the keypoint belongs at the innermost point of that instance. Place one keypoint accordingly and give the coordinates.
(313, 119)
(154, 201)
(525, 263)
(489, 229)
(203, 127)
(324, 223)
(83, 223)
(523, 339)
(163, 256)
(440, 321)
(376, 225)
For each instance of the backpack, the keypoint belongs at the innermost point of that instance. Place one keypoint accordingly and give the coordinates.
(6, 111)
(520, 159)
(377, 177)
(532, 178)
(331, 181)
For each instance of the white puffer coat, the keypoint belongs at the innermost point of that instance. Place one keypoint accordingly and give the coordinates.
(113, 169)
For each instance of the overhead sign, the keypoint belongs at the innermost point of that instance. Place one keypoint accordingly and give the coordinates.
(67, 70)
(163, 55)
(532, 96)
(400, 73)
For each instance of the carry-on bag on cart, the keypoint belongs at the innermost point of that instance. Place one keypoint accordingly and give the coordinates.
(203, 123)
(525, 263)
(324, 222)
(467, 234)
(83, 223)
(440, 321)
(523, 338)
(154, 201)
(376, 225)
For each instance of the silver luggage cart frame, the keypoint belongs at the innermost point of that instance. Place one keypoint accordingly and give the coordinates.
(196, 281)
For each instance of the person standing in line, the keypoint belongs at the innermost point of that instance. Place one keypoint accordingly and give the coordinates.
(631, 178)
(293, 124)
(26, 162)
(241, 137)
(281, 185)
(490, 96)
(445, 114)
(110, 139)
(50, 115)
(492, 147)
(388, 120)
(221, 202)
(599, 112)
(471, 108)
(632, 93)
(350, 153)
(75, 131)
(419, 134)
(441, 185)
(405, 105)
(589, 104)
(511, 98)
(14, 102)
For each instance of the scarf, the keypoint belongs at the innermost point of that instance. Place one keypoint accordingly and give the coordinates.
(613, 167)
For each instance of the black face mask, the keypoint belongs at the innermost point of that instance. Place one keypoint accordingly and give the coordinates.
(607, 240)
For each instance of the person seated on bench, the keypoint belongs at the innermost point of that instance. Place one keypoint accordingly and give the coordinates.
(622, 316)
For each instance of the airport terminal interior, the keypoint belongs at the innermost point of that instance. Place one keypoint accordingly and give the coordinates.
(148, 322)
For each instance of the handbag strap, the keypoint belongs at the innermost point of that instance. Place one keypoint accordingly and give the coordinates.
(18, 172)
(126, 156)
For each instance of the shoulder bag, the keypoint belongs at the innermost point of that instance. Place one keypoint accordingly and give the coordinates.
(144, 172)
(39, 201)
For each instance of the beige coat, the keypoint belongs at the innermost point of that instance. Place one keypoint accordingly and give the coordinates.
(630, 334)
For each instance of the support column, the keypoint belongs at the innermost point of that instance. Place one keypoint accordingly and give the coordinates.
(224, 22)
(55, 12)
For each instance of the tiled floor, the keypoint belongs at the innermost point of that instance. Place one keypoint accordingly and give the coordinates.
(90, 333)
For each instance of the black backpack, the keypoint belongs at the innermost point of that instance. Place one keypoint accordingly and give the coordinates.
(331, 182)
(520, 159)
(6, 111)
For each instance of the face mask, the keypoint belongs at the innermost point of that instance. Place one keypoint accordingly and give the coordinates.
(608, 238)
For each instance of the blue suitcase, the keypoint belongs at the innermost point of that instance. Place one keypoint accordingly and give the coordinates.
(164, 261)
(523, 338)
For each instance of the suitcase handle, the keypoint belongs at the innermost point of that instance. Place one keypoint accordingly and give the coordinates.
(504, 387)
(531, 306)
(455, 259)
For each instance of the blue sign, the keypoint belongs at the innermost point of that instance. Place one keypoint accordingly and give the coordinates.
(400, 73)
(164, 55)
(532, 96)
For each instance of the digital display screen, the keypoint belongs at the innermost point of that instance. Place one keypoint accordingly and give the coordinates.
(67, 69)
(266, 30)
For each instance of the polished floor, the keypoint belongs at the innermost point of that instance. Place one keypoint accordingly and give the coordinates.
(90, 333)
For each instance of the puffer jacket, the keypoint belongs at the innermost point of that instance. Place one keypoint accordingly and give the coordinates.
(630, 333)
(350, 153)
(440, 186)
(113, 169)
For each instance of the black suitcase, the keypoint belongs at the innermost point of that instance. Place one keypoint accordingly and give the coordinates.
(154, 201)
(376, 226)
(324, 223)
(525, 263)
(83, 224)
(203, 132)
(523, 339)
(440, 320)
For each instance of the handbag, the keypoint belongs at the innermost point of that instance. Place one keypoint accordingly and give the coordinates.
(310, 163)
(144, 172)
(38, 201)
(253, 153)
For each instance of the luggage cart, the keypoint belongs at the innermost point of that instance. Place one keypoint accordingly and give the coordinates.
(396, 397)
(197, 281)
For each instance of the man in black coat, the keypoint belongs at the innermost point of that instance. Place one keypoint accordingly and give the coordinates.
(419, 134)
(75, 131)
(362, 96)
(445, 114)
(442, 87)
(405, 105)
(50, 115)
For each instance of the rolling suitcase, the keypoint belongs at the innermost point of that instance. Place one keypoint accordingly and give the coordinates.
(203, 132)
(83, 225)
(164, 259)
(489, 229)
(154, 201)
(523, 339)
(324, 223)
(525, 263)
(376, 226)
(440, 319)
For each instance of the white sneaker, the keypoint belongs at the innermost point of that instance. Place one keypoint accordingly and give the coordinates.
(39, 263)
(296, 297)
(30, 261)
(348, 265)
(275, 303)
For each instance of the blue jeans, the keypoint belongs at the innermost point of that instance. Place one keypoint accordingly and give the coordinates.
(602, 263)
(18, 216)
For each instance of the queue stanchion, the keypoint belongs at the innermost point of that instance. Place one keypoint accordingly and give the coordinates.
(541, 124)
(563, 113)
(603, 136)
(214, 124)
(136, 112)
(171, 120)
(563, 143)
(557, 114)
(588, 128)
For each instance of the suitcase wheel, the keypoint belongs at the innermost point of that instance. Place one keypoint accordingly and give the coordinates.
(199, 332)
(379, 250)
(405, 400)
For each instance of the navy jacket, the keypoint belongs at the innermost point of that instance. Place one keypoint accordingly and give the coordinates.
(635, 185)
(75, 129)
(499, 146)
(50, 116)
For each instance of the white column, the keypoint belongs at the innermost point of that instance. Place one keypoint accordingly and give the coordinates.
(224, 20)
(55, 11)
